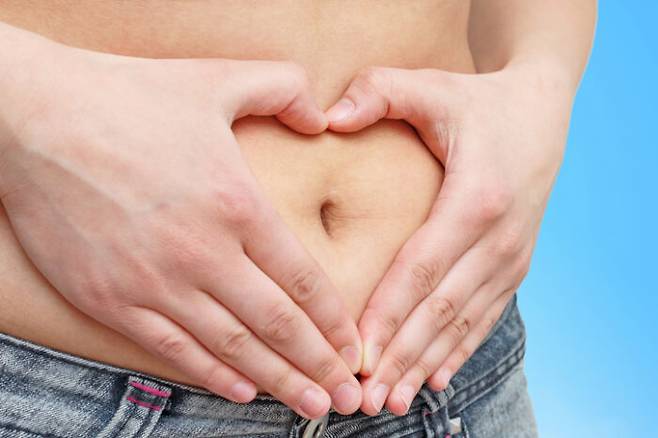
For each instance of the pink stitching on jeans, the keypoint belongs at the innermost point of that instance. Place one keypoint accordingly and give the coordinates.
(143, 403)
(150, 389)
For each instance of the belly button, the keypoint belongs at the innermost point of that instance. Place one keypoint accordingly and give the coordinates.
(325, 216)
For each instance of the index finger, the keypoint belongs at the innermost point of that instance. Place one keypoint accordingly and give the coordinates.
(273, 88)
(272, 246)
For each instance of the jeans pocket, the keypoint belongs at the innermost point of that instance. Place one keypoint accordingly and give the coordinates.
(139, 409)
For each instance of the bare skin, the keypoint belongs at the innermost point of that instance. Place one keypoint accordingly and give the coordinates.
(417, 46)
(349, 201)
(500, 135)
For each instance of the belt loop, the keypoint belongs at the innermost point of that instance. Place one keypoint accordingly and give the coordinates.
(139, 409)
(435, 414)
(436, 399)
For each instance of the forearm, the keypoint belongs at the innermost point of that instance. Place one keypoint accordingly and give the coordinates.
(556, 36)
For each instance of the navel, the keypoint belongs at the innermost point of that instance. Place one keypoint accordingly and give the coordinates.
(326, 215)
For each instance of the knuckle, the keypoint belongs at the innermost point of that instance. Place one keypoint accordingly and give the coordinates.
(386, 324)
(281, 326)
(179, 248)
(424, 368)
(146, 282)
(91, 298)
(391, 323)
(488, 324)
(189, 256)
(424, 278)
(400, 362)
(212, 380)
(305, 285)
(524, 265)
(509, 242)
(231, 345)
(462, 355)
(236, 205)
(460, 326)
(332, 328)
(380, 83)
(325, 369)
(371, 80)
(96, 295)
(492, 202)
(295, 69)
(171, 347)
(296, 74)
(441, 310)
(281, 381)
(372, 76)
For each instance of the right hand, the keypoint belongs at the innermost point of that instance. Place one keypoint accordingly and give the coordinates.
(128, 191)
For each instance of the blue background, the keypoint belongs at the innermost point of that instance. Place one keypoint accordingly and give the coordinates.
(590, 301)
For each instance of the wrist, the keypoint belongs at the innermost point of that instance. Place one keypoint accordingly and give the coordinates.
(24, 69)
(550, 76)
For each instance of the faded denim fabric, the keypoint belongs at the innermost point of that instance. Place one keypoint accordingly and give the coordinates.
(47, 393)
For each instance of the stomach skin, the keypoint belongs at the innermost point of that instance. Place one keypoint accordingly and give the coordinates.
(352, 199)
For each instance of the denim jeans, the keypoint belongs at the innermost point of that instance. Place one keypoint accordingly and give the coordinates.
(48, 393)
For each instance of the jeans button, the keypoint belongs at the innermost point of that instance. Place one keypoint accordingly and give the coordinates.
(316, 428)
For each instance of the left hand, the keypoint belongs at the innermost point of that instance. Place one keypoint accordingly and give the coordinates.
(500, 137)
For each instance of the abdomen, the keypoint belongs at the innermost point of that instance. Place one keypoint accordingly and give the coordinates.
(352, 199)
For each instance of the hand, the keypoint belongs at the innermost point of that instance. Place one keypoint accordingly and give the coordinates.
(127, 189)
(500, 137)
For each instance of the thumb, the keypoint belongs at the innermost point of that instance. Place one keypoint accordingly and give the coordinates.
(273, 88)
(380, 92)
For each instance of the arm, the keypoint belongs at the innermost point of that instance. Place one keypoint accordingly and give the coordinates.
(127, 189)
(500, 135)
(553, 37)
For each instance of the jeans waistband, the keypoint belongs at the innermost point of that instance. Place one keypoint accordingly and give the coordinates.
(105, 399)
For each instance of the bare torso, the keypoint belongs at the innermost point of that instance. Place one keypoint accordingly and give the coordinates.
(352, 199)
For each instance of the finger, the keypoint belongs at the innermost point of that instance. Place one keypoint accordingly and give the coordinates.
(279, 254)
(442, 313)
(440, 379)
(418, 267)
(266, 310)
(444, 343)
(381, 92)
(165, 339)
(268, 88)
(233, 343)
(439, 353)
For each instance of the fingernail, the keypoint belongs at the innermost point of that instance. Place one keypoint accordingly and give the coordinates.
(370, 358)
(407, 394)
(243, 392)
(314, 403)
(347, 398)
(341, 109)
(351, 357)
(378, 396)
